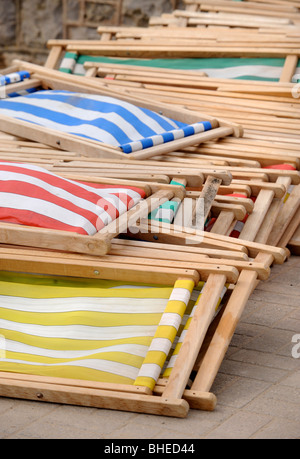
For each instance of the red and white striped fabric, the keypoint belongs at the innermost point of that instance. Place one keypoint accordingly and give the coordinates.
(33, 196)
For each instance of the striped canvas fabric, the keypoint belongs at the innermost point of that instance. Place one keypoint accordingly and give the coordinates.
(100, 118)
(192, 305)
(69, 62)
(165, 334)
(15, 77)
(30, 195)
(21, 92)
(85, 329)
(261, 69)
(167, 211)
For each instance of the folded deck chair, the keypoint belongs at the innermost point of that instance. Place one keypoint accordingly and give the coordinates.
(42, 209)
(71, 56)
(11, 78)
(99, 118)
(259, 69)
(103, 332)
(80, 329)
(92, 120)
(112, 337)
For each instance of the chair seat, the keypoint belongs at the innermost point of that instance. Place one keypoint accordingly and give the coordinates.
(104, 119)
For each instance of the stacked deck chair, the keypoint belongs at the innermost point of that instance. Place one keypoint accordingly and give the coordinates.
(50, 113)
(111, 268)
(185, 286)
(119, 362)
(250, 63)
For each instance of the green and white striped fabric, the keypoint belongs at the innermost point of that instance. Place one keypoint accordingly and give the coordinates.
(88, 330)
(261, 69)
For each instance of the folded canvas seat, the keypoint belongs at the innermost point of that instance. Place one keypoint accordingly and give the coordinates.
(12, 78)
(77, 114)
(187, 318)
(261, 69)
(90, 330)
(104, 119)
(42, 209)
(30, 195)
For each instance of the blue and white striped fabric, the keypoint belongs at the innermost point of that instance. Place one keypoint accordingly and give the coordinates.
(23, 92)
(15, 77)
(105, 119)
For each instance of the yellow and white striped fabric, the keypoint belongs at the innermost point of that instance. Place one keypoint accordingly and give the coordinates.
(84, 329)
(195, 297)
(165, 334)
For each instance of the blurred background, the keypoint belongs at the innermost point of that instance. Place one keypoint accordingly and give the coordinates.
(27, 25)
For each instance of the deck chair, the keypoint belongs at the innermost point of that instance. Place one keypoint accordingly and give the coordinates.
(122, 128)
(85, 374)
(196, 13)
(79, 57)
(294, 242)
(42, 209)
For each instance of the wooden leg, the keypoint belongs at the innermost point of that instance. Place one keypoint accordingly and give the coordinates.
(289, 68)
(54, 57)
(294, 242)
(272, 214)
(209, 193)
(287, 212)
(218, 346)
(287, 235)
(223, 223)
(254, 221)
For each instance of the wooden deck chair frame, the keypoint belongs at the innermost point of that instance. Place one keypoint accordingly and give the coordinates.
(53, 79)
(250, 7)
(269, 203)
(145, 50)
(134, 77)
(271, 215)
(81, 20)
(217, 335)
(110, 396)
(220, 332)
(269, 194)
(79, 47)
(190, 166)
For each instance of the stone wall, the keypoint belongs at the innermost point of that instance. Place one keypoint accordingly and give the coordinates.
(27, 25)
